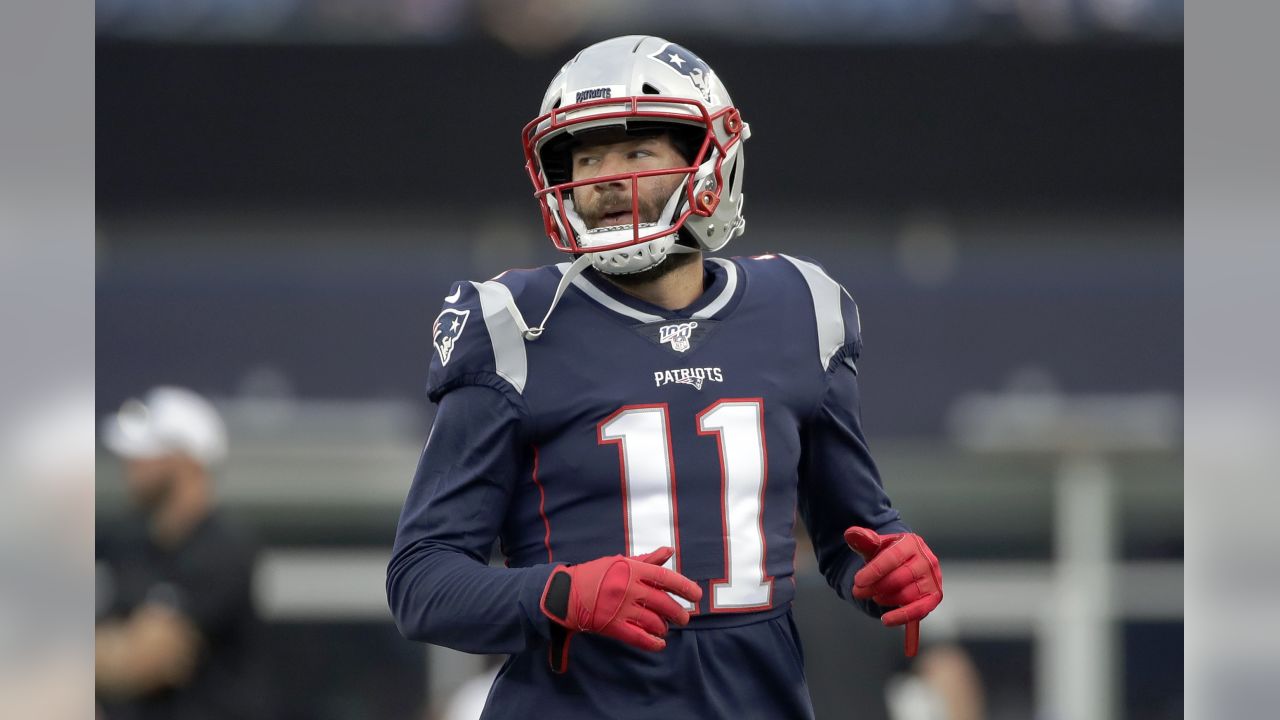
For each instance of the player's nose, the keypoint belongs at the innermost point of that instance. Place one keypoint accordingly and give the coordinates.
(614, 163)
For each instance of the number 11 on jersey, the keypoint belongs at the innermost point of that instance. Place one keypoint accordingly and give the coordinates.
(650, 510)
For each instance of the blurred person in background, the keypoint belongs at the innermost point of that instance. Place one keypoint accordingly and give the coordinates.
(176, 631)
(943, 684)
(642, 452)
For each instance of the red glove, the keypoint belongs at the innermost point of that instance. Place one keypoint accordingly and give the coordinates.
(901, 572)
(624, 598)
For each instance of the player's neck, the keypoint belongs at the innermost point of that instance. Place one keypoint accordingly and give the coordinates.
(672, 291)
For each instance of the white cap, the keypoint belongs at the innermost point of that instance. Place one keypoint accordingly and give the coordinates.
(169, 420)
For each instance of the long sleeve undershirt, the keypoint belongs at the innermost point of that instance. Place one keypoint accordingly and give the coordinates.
(440, 586)
(839, 483)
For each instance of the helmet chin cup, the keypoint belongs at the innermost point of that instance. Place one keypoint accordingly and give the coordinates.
(633, 258)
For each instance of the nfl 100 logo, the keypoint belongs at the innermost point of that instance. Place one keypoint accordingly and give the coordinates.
(678, 335)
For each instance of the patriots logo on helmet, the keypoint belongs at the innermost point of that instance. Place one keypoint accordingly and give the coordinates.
(689, 65)
(444, 334)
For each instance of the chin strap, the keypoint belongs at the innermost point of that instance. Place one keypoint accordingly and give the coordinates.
(573, 271)
(533, 333)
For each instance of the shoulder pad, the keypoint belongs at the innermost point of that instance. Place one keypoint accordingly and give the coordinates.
(838, 320)
(476, 341)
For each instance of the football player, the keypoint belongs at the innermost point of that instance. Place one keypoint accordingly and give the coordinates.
(642, 451)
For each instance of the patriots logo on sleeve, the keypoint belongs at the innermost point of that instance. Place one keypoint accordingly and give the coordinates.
(689, 65)
(446, 331)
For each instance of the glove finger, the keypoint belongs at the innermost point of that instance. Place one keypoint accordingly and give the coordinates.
(863, 541)
(635, 636)
(671, 581)
(664, 605)
(889, 559)
(912, 643)
(934, 569)
(913, 611)
(898, 599)
(657, 557)
(647, 620)
(899, 579)
(925, 565)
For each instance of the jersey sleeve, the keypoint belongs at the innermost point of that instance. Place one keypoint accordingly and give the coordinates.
(440, 587)
(477, 342)
(840, 485)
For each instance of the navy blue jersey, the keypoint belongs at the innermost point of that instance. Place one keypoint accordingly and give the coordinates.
(626, 427)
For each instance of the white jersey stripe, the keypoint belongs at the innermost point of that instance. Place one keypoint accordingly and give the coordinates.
(715, 306)
(726, 293)
(504, 335)
(599, 296)
(826, 308)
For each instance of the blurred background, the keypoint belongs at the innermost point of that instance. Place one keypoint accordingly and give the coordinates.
(286, 188)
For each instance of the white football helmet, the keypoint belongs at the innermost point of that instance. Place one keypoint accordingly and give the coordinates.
(640, 83)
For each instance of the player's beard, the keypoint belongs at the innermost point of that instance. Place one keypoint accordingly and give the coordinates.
(652, 200)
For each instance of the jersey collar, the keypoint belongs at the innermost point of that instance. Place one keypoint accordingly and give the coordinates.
(716, 300)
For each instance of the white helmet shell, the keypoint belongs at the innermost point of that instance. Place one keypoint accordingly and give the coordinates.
(639, 82)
